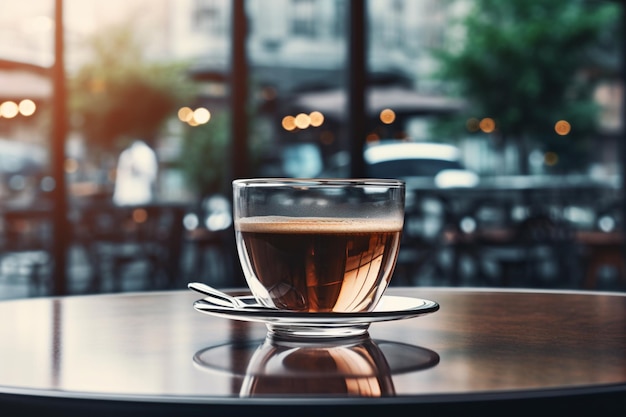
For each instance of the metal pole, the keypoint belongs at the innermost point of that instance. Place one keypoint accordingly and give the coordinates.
(622, 151)
(239, 92)
(239, 115)
(61, 232)
(357, 75)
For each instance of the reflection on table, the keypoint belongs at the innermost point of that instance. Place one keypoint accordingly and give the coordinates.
(356, 367)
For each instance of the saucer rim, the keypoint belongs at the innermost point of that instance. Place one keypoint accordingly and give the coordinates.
(419, 307)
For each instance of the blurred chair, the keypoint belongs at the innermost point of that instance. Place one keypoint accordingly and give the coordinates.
(25, 247)
(210, 236)
(422, 242)
(118, 237)
(602, 251)
(549, 240)
(603, 246)
(476, 222)
(539, 251)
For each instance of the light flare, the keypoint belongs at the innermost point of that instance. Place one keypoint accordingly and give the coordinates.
(487, 125)
(562, 128)
(387, 116)
(27, 107)
(9, 109)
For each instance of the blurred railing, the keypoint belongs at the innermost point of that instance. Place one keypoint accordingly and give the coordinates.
(529, 232)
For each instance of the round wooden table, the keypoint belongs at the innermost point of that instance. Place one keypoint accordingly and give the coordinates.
(485, 351)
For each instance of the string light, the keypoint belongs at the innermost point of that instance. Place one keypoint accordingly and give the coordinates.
(387, 116)
(562, 128)
(487, 125)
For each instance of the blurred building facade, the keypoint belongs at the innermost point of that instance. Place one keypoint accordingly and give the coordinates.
(297, 51)
(298, 48)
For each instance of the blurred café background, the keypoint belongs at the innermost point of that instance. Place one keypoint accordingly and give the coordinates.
(123, 123)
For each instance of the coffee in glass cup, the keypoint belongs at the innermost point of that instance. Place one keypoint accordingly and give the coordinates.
(318, 245)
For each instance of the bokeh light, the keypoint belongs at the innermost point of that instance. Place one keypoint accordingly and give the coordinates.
(140, 215)
(303, 121)
(185, 114)
(9, 109)
(47, 184)
(372, 137)
(192, 117)
(289, 123)
(27, 107)
(316, 118)
(191, 221)
(472, 124)
(487, 125)
(97, 85)
(551, 158)
(387, 116)
(201, 115)
(70, 165)
(562, 127)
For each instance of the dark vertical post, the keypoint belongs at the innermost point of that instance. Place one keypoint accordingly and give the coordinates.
(239, 91)
(622, 151)
(239, 129)
(239, 116)
(61, 234)
(357, 75)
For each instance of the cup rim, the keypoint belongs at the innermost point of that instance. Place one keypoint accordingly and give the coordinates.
(318, 182)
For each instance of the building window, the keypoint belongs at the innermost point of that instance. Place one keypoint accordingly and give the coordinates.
(338, 28)
(303, 22)
(209, 16)
(396, 28)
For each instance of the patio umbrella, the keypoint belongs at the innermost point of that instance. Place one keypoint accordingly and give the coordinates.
(403, 101)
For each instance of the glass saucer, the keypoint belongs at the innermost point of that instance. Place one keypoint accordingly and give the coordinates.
(294, 324)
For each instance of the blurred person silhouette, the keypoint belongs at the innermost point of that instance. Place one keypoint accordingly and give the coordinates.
(136, 175)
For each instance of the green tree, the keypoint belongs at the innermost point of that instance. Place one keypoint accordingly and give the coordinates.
(528, 64)
(119, 95)
(204, 157)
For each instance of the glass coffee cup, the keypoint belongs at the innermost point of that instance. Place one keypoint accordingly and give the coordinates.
(318, 245)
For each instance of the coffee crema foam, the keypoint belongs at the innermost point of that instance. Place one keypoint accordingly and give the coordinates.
(283, 224)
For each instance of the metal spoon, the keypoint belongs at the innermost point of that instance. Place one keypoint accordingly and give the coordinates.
(221, 298)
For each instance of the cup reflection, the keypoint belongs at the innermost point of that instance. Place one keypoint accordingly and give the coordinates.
(340, 367)
(356, 368)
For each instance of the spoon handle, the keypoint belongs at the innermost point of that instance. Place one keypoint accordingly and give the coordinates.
(218, 296)
(210, 303)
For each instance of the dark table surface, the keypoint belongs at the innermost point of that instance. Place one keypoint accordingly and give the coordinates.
(486, 350)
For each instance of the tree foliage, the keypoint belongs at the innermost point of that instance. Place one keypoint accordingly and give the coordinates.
(204, 157)
(530, 63)
(118, 95)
